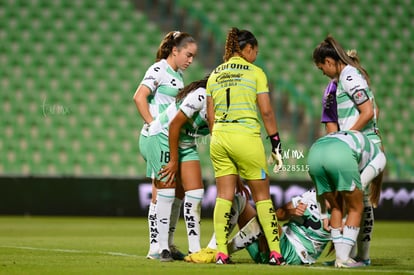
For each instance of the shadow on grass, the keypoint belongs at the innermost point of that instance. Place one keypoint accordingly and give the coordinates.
(384, 262)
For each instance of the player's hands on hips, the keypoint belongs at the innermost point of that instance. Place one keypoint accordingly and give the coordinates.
(147, 126)
(275, 157)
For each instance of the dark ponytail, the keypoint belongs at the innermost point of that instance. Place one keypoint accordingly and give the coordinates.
(171, 40)
(236, 41)
(331, 48)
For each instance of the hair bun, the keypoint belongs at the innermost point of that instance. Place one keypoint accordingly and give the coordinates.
(352, 53)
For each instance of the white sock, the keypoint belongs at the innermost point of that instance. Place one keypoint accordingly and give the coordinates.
(365, 233)
(372, 170)
(165, 199)
(192, 217)
(175, 215)
(153, 231)
(349, 237)
(337, 241)
(247, 235)
(212, 244)
(366, 177)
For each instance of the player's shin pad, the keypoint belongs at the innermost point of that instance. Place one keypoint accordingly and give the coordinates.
(246, 236)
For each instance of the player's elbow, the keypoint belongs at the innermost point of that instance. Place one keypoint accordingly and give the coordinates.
(369, 114)
(135, 98)
(141, 94)
(139, 100)
(136, 101)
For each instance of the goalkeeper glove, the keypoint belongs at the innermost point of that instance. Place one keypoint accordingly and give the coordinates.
(276, 154)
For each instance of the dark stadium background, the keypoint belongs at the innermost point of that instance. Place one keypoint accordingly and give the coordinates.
(69, 128)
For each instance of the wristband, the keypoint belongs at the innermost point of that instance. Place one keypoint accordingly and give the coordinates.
(275, 140)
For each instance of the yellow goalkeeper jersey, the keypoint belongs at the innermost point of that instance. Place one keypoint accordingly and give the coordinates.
(234, 86)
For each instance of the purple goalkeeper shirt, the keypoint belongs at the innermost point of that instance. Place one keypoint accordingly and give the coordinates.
(329, 110)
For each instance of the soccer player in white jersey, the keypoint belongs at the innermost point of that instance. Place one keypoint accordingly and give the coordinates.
(352, 107)
(338, 180)
(303, 237)
(355, 101)
(179, 164)
(156, 91)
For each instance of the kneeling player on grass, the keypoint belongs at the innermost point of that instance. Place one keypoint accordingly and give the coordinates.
(302, 241)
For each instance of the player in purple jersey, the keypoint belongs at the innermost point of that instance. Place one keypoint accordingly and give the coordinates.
(329, 108)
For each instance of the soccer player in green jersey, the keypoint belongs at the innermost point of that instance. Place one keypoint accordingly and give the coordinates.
(353, 107)
(174, 132)
(356, 105)
(337, 163)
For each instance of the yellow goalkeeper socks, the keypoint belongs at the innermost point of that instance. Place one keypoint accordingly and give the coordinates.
(268, 220)
(222, 215)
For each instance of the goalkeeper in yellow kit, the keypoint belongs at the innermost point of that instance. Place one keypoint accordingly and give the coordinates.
(234, 91)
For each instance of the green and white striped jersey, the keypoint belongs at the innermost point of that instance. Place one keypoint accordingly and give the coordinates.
(352, 91)
(306, 233)
(362, 146)
(194, 107)
(164, 84)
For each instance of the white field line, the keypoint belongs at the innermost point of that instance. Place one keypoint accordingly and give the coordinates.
(72, 251)
(137, 256)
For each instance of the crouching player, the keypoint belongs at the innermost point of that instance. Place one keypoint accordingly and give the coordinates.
(303, 237)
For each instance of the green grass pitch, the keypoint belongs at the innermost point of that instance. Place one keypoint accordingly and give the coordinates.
(109, 245)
